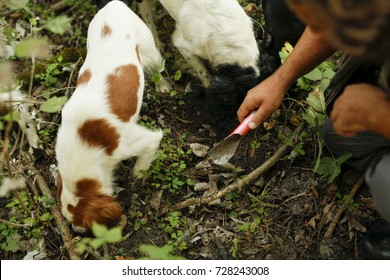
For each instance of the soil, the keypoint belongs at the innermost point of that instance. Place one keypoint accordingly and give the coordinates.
(282, 214)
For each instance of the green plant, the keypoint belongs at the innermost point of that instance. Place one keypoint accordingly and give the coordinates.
(166, 172)
(49, 77)
(139, 220)
(352, 205)
(158, 253)
(315, 115)
(330, 166)
(319, 77)
(103, 237)
(254, 220)
(255, 145)
(28, 213)
(295, 140)
(172, 224)
(235, 247)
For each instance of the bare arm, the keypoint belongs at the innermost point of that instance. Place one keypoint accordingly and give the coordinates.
(266, 97)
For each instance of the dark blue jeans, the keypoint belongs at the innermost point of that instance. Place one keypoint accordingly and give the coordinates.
(371, 154)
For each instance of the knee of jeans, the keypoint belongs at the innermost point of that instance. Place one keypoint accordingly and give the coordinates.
(327, 134)
(378, 180)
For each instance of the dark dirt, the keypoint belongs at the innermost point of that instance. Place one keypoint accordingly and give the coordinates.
(283, 214)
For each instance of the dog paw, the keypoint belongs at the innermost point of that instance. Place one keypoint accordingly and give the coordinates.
(163, 86)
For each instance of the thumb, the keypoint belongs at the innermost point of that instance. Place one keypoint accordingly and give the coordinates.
(257, 118)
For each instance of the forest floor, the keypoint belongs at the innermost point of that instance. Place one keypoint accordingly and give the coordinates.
(284, 212)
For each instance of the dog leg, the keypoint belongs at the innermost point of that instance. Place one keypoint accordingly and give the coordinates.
(142, 143)
(173, 7)
(153, 64)
(150, 144)
(145, 9)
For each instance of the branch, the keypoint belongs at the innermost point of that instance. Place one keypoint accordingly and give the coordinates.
(59, 6)
(343, 206)
(62, 225)
(236, 185)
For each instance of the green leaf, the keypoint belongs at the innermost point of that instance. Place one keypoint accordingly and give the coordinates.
(58, 25)
(324, 84)
(54, 104)
(159, 253)
(285, 52)
(99, 230)
(45, 217)
(33, 47)
(12, 243)
(15, 117)
(340, 160)
(17, 4)
(156, 78)
(329, 73)
(177, 75)
(113, 235)
(330, 167)
(316, 100)
(96, 243)
(314, 75)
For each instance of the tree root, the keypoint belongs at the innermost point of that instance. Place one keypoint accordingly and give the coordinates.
(342, 208)
(61, 223)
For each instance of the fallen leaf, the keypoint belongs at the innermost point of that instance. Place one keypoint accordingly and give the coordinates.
(199, 150)
(155, 201)
(269, 125)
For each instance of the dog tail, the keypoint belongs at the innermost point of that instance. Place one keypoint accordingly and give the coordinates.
(173, 7)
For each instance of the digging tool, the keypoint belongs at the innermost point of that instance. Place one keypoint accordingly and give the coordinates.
(224, 150)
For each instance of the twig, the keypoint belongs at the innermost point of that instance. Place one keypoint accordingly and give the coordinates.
(15, 224)
(343, 206)
(236, 185)
(59, 6)
(295, 196)
(63, 228)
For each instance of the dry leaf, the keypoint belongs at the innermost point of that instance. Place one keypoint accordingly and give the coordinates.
(155, 201)
(269, 125)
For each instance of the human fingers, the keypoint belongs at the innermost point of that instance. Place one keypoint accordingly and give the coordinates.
(260, 116)
(247, 106)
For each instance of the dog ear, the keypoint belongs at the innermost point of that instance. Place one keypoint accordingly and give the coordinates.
(102, 209)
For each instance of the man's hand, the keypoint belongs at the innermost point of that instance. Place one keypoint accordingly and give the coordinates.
(266, 97)
(361, 107)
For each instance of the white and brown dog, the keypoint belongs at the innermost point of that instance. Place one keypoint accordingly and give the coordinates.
(216, 38)
(99, 123)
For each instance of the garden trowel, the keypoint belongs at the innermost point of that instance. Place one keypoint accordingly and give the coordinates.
(224, 150)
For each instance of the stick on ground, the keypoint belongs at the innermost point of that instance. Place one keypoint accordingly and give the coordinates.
(62, 225)
(342, 208)
(237, 184)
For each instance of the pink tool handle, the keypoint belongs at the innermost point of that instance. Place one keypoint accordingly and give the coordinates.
(243, 128)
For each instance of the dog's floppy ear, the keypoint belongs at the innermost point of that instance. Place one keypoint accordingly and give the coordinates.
(102, 209)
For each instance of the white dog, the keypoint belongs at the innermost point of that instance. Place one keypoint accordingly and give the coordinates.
(99, 123)
(220, 33)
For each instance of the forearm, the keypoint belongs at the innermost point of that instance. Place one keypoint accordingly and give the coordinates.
(311, 49)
